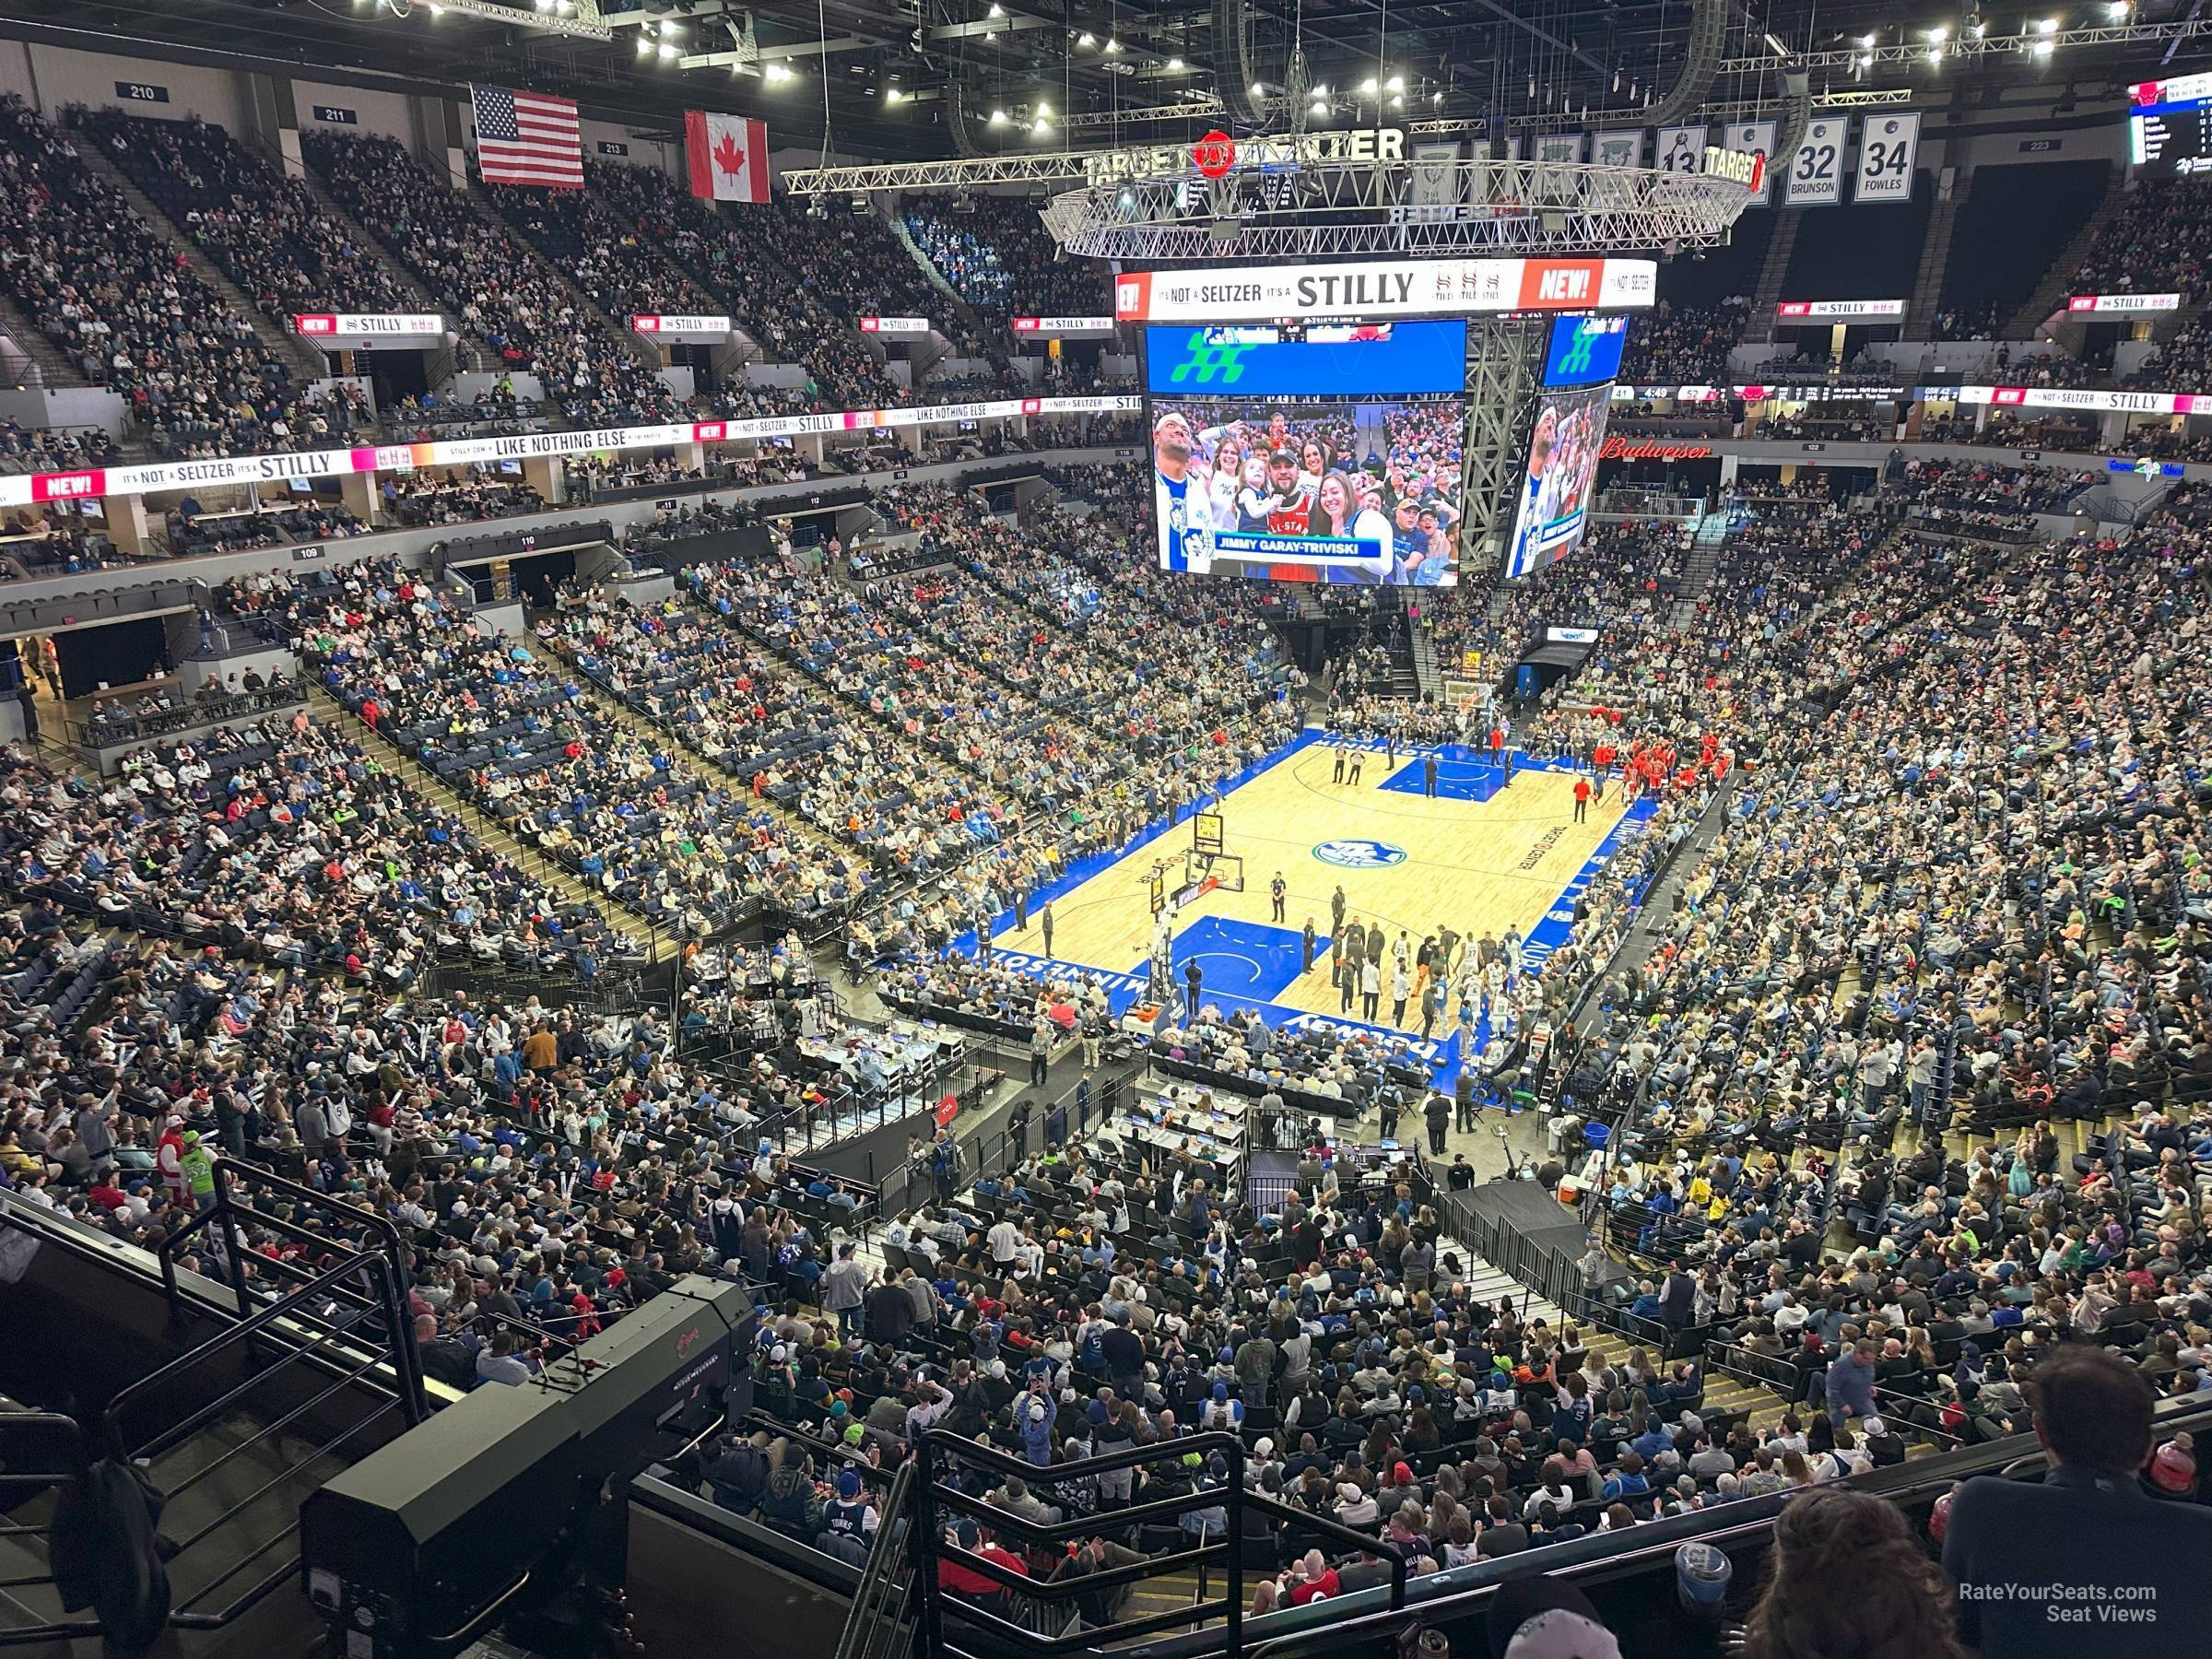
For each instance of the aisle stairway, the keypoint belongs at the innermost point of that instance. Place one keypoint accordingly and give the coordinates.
(304, 360)
(2057, 282)
(659, 737)
(328, 711)
(53, 365)
(1760, 325)
(1934, 260)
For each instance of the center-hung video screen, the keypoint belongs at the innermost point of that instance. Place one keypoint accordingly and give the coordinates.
(1308, 452)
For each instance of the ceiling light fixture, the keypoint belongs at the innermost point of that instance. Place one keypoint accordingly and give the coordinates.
(668, 49)
(2044, 49)
(1087, 39)
(1174, 63)
(1396, 83)
(1112, 44)
(998, 118)
(2048, 26)
(997, 11)
(1368, 86)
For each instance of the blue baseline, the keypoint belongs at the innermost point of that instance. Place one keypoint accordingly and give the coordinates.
(1443, 1053)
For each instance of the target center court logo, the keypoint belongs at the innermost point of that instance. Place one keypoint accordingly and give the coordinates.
(1359, 854)
(1209, 363)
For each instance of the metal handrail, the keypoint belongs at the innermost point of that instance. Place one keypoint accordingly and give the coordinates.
(880, 1570)
(111, 1419)
(391, 1249)
(78, 1455)
(1233, 1498)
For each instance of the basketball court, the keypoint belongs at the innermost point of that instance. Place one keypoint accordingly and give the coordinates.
(1480, 856)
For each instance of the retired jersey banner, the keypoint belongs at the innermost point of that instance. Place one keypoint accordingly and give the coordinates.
(1433, 184)
(728, 156)
(1681, 150)
(1888, 144)
(1816, 169)
(1753, 138)
(1622, 148)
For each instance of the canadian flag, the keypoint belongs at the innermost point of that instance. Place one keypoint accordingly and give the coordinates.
(728, 156)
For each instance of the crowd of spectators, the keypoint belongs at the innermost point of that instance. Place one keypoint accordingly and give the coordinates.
(1684, 345)
(490, 282)
(2157, 243)
(267, 233)
(998, 256)
(798, 284)
(507, 727)
(124, 305)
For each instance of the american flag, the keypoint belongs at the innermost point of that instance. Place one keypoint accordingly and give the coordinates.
(527, 137)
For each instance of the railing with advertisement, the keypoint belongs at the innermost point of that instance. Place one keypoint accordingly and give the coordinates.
(94, 483)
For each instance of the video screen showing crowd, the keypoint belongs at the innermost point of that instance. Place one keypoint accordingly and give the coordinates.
(1563, 447)
(1319, 454)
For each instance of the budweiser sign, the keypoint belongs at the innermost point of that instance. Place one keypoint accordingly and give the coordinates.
(1617, 448)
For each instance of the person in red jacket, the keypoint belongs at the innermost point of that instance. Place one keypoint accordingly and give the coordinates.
(169, 1157)
(1581, 799)
(964, 1580)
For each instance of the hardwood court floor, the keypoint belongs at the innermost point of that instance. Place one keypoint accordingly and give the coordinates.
(1475, 865)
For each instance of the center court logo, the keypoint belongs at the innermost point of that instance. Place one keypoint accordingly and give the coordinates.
(1359, 854)
(1209, 361)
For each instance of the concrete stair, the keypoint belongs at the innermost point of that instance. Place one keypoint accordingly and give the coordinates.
(2057, 281)
(1935, 259)
(304, 360)
(647, 355)
(1759, 326)
(632, 929)
(614, 709)
(53, 365)
(470, 354)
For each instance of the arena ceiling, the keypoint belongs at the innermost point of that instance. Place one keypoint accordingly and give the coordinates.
(1078, 74)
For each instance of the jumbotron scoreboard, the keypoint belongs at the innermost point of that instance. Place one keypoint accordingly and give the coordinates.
(2170, 124)
(1379, 423)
